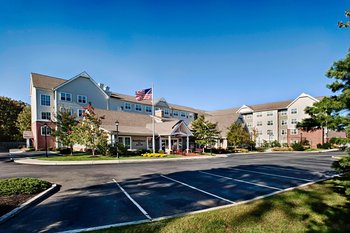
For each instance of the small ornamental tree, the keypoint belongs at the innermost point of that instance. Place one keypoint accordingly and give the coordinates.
(24, 120)
(63, 130)
(88, 133)
(238, 135)
(205, 132)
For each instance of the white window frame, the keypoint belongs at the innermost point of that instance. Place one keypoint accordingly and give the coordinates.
(166, 112)
(294, 121)
(269, 122)
(65, 94)
(269, 132)
(83, 98)
(175, 113)
(45, 101)
(249, 116)
(148, 109)
(259, 114)
(69, 110)
(284, 122)
(123, 141)
(259, 123)
(249, 125)
(48, 116)
(294, 111)
(283, 113)
(269, 113)
(283, 132)
(127, 108)
(48, 132)
(182, 114)
(138, 107)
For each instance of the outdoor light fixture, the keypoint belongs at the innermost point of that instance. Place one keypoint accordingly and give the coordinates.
(117, 139)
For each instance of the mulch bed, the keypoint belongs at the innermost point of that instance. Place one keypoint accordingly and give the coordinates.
(8, 203)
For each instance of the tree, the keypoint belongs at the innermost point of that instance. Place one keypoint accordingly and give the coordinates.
(63, 130)
(205, 132)
(88, 133)
(9, 111)
(238, 135)
(346, 24)
(24, 120)
(333, 112)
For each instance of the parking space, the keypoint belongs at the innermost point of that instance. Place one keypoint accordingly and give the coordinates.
(163, 195)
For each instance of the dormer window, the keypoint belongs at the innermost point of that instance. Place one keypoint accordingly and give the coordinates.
(65, 96)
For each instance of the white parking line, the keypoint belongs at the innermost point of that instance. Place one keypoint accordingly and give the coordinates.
(133, 201)
(269, 174)
(200, 190)
(242, 181)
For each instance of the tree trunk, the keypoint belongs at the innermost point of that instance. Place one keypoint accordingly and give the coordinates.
(71, 149)
(93, 152)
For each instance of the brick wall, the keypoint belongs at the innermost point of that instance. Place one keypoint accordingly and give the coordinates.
(39, 140)
(314, 137)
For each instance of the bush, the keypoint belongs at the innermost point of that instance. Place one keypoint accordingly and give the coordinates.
(242, 150)
(260, 149)
(64, 151)
(161, 151)
(297, 147)
(342, 165)
(275, 144)
(282, 149)
(158, 155)
(25, 185)
(324, 146)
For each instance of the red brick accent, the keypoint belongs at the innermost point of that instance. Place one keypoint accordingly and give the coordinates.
(313, 137)
(39, 140)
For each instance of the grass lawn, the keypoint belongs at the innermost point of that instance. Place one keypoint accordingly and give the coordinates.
(86, 157)
(321, 207)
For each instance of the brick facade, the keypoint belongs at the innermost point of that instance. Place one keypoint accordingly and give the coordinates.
(313, 137)
(39, 140)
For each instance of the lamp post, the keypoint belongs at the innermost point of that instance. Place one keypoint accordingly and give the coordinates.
(301, 138)
(117, 139)
(45, 131)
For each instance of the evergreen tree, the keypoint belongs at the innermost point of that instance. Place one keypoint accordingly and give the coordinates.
(238, 135)
(205, 132)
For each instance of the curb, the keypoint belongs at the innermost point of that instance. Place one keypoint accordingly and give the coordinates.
(29, 161)
(38, 198)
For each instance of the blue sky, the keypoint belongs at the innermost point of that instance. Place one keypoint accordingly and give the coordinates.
(204, 54)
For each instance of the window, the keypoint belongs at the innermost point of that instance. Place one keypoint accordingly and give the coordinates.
(69, 110)
(269, 113)
(293, 131)
(284, 122)
(294, 111)
(175, 113)
(45, 100)
(166, 112)
(148, 109)
(249, 125)
(259, 114)
(82, 99)
(65, 96)
(183, 114)
(46, 115)
(45, 131)
(126, 141)
(80, 112)
(249, 116)
(138, 107)
(260, 132)
(191, 115)
(127, 106)
(269, 122)
(269, 132)
(259, 123)
(283, 132)
(294, 121)
(283, 113)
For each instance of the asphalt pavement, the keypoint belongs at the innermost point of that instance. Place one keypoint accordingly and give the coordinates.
(98, 195)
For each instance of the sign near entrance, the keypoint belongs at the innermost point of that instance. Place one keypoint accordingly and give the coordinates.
(28, 134)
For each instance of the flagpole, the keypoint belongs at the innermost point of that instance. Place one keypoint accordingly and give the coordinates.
(153, 124)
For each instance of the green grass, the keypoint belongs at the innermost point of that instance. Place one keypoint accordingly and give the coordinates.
(26, 185)
(321, 207)
(88, 157)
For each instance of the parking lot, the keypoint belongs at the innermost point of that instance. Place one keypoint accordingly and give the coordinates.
(148, 197)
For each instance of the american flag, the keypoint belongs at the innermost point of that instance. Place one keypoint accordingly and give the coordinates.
(145, 94)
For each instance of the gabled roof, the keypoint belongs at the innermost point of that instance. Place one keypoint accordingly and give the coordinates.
(270, 106)
(303, 95)
(45, 81)
(225, 118)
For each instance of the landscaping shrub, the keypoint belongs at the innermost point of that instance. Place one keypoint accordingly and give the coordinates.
(242, 150)
(158, 155)
(275, 144)
(25, 185)
(324, 146)
(297, 147)
(161, 151)
(64, 151)
(260, 149)
(343, 165)
(282, 149)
